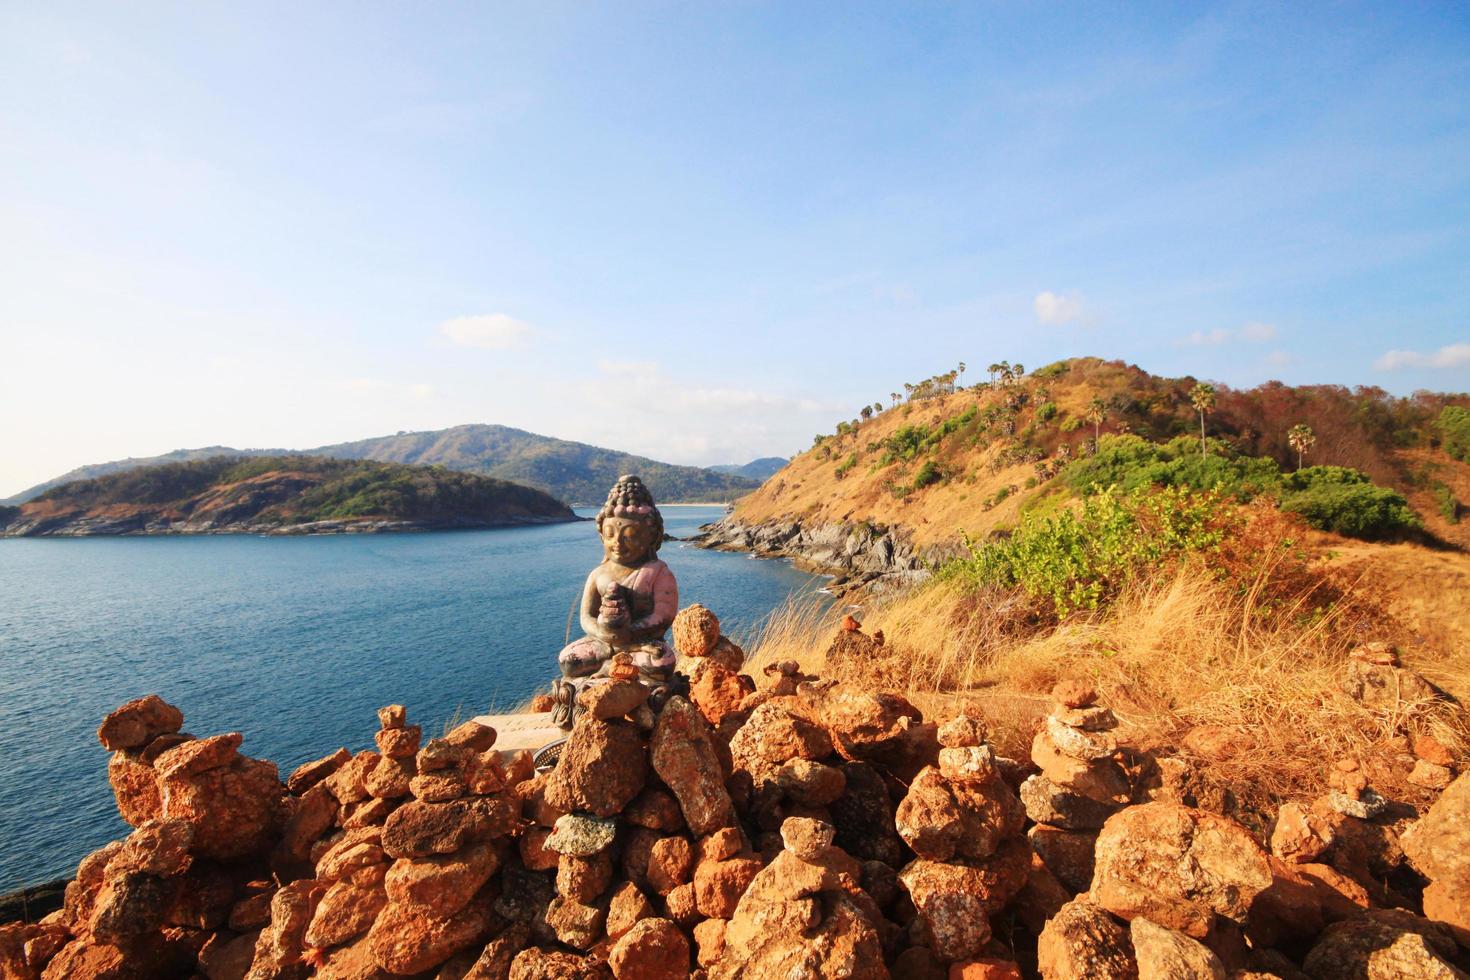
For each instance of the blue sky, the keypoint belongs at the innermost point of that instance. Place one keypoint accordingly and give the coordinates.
(703, 232)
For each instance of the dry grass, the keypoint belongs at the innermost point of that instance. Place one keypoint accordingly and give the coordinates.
(1173, 652)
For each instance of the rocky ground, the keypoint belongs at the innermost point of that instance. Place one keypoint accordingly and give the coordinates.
(774, 826)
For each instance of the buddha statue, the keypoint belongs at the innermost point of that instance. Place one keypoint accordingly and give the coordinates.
(627, 604)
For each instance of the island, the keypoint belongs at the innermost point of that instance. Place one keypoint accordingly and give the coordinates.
(279, 495)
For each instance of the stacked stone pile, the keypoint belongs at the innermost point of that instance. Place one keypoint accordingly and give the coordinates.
(774, 826)
(1080, 783)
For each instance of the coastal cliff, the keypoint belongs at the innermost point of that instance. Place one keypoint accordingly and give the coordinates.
(279, 495)
(854, 554)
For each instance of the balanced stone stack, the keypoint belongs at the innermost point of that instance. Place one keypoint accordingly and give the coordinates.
(715, 682)
(964, 824)
(1080, 784)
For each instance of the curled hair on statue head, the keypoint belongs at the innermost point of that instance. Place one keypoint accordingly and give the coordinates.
(630, 499)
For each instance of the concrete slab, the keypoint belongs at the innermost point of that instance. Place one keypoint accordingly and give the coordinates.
(529, 730)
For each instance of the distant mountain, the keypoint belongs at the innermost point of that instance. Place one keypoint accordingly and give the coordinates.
(570, 471)
(278, 495)
(759, 470)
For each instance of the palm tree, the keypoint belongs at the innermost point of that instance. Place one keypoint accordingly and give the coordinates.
(962, 372)
(1301, 438)
(877, 407)
(1097, 410)
(894, 396)
(866, 412)
(1019, 369)
(1202, 397)
(993, 370)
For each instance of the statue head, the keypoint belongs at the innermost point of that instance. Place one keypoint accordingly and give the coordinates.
(631, 527)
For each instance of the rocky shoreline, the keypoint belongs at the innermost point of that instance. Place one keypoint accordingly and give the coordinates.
(770, 826)
(855, 555)
(87, 526)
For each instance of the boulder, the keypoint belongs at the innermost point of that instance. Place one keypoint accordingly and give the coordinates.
(235, 808)
(602, 768)
(134, 786)
(685, 759)
(1083, 940)
(443, 883)
(134, 724)
(1163, 954)
(696, 631)
(956, 899)
(1178, 866)
(1438, 844)
(1049, 803)
(940, 819)
(654, 949)
(408, 939)
(1367, 948)
(422, 829)
(348, 908)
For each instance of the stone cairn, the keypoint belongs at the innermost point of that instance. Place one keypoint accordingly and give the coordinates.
(768, 826)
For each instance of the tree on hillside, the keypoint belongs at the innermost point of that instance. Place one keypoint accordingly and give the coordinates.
(1202, 397)
(1301, 438)
(962, 372)
(867, 412)
(1097, 410)
(894, 396)
(877, 407)
(993, 370)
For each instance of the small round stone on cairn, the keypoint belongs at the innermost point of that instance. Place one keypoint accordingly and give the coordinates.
(696, 631)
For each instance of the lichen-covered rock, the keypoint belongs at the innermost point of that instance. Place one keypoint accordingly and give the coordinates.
(421, 829)
(602, 768)
(1163, 953)
(696, 631)
(654, 949)
(685, 759)
(1438, 844)
(1049, 803)
(576, 835)
(1299, 835)
(443, 883)
(955, 899)
(235, 808)
(410, 939)
(577, 925)
(134, 724)
(1082, 940)
(1365, 948)
(1177, 866)
(543, 964)
(347, 909)
(134, 786)
(940, 819)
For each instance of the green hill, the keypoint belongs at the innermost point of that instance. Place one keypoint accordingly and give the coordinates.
(264, 494)
(570, 471)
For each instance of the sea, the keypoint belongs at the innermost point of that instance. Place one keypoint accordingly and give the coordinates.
(293, 641)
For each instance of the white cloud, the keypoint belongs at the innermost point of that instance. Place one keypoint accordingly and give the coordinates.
(1056, 308)
(1280, 358)
(1251, 333)
(489, 331)
(1449, 356)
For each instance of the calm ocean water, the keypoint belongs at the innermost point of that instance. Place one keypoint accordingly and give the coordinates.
(293, 641)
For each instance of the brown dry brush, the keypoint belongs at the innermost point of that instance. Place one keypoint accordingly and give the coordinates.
(1253, 641)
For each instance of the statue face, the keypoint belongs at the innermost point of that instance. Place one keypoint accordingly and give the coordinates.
(626, 540)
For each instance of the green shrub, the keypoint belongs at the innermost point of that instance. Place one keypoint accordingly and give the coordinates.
(846, 464)
(1046, 411)
(1335, 498)
(928, 473)
(1077, 560)
(1454, 432)
(1444, 499)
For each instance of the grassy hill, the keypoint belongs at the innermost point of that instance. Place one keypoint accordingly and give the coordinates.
(570, 471)
(275, 493)
(949, 462)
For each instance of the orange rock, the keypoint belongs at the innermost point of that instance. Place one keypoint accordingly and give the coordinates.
(602, 768)
(654, 949)
(1083, 940)
(390, 779)
(985, 968)
(1431, 749)
(683, 755)
(718, 885)
(717, 691)
(235, 809)
(535, 855)
(392, 716)
(135, 723)
(1074, 694)
(347, 909)
(443, 883)
(135, 788)
(696, 631)
(670, 864)
(349, 783)
(399, 743)
(542, 703)
(627, 906)
(198, 755)
(583, 879)
(308, 774)
(472, 735)
(411, 939)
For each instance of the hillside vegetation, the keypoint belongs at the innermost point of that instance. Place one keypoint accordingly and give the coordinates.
(277, 492)
(570, 471)
(954, 461)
